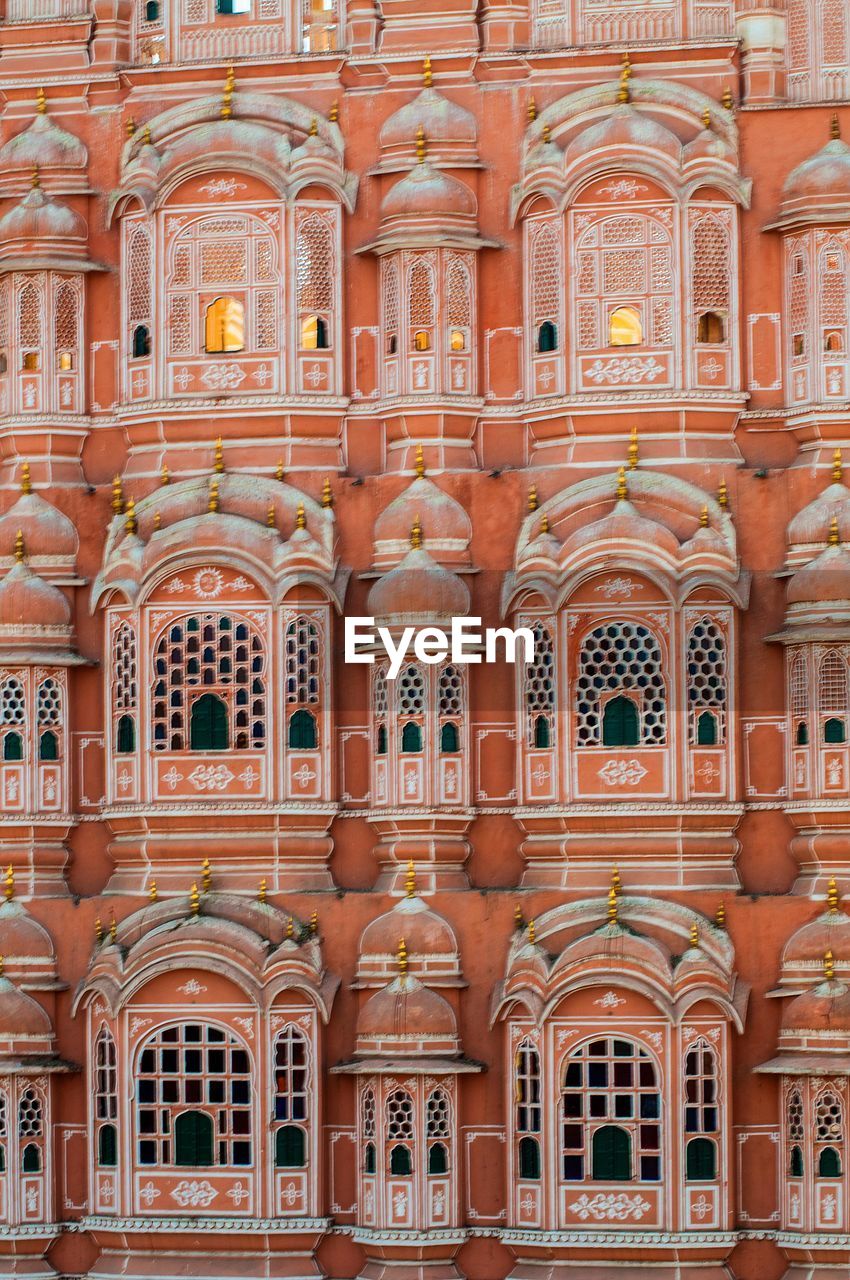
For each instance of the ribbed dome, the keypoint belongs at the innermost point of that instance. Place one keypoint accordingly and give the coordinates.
(825, 579)
(427, 192)
(825, 1008)
(426, 934)
(440, 119)
(625, 523)
(625, 129)
(810, 526)
(446, 523)
(404, 1016)
(22, 937)
(28, 601)
(38, 218)
(820, 186)
(47, 531)
(418, 588)
(830, 932)
(43, 145)
(24, 1025)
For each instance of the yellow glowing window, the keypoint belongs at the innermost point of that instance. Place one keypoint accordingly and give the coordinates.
(30, 360)
(225, 325)
(710, 327)
(625, 328)
(421, 340)
(314, 334)
(834, 342)
(66, 360)
(458, 340)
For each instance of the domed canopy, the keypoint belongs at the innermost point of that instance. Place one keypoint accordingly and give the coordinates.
(418, 591)
(46, 530)
(44, 146)
(430, 941)
(448, 526)
(818, 190)
(809, 529)
(450, 130)
(25, 1028)
(35, 619)
(625, 130)
(26, 944)
(825, 1008)
(427, 192)
(39, 225)
(406, 1019)
(626, 524)
(825, 581)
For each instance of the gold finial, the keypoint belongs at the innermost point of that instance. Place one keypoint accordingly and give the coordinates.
(834, 127)
(213, 502)
(314, 128)
(164, 474)
(720, 915)
(130, 127)
(546, 133)
(834, 537)
(333, 114)
(532, 933)
(703, 517)
(218, 457)
(19, 547)
(26, 482)
(694, 934)
(633, 454)
(98, 929)
(41, 102)
(726, 98)
(401, 957)
(9, 885)
(300, 518)
(2, 966)
(613, 906)
(152, 892)
(616, 883)
(416, 534)
(130, 522)
(261, 895)
(532, 110)
(194, 900)
(828, 967)
(117, 496)
(427, 78)
(410, 880)
(278, 471)
(622, 487)
(146, 135)
(519, 919)
(421, 146)
(271, 517)
(206, 876)
(290, 927)
(832, 894)
(327, 494)
(419, 464)
(157, 520)
(113, 928)
(723, 496)
(532, 498)
(544, 522)
(623, 93)
(227, 97)
(35, 179)
(837, 467)
(314, 923)
(706, 118)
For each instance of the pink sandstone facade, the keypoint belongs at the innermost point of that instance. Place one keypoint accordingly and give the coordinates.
(532, 310)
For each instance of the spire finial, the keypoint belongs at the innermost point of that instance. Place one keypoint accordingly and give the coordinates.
(544, 522)
(130, 522)
(828, 967)
(832, 895)
(117, 496)
(532, 110)
(300, 517)
(421, 145)
(416, 534)
(19, 547)
(194, 900)
(314, 128)
(113, 927)
(834, 537)
(834, 127)
(401, 957)
(837, 467)
(164, 474)
(290, 928)
(98, 929)
(278, 471)
(213, 502)
(694, 934)
(633, 448)
(723, 496)
(333, 114)
(327, 493)
(314, 923)
(546, 134)
(532, 498)
(720, 915)
(271, 517)
(410, 880)
(613, 906)
(218, 457)
(9, 884)
(703, 517)
(622, 487)
(532, 933)
(727, 99)
(623, 93)
(35, 179)
(40, 102)
(427, 78)
(157, 521)
(26, 482)
(152, 892)
(261, 894)
(616, 882)
(419, 465)
(130, 127)
(146, 135)
(227, 97)
(706, 118)
(519, 919)
(206, 875)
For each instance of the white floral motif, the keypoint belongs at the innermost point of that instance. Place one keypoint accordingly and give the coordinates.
(539, 775)
(247, 1025)
(612, 1207)
(261, 375)
(192, 987)
(290, 1194)
(184, 378)
(795, 1206)
(316, 375)
(303, 776)
(222, 187)
(701, 1208)
(223, 377)
(238, 1193)
(137, 1024)
(148, 1193)
(194, 1193)
(627, 369)
(622, 773)
(545, 376)
(655, 1038)
(711, 368)
(828, 1208)
(248, 777)
(439, 1203)
(616, 587)
(610, 1000)
(527, 1203)
(400, 1203)
(107, 1190)
(172, 777)
(32, 1200)
(175, 585)
(623, 189)
(211, 777)
(240, 584)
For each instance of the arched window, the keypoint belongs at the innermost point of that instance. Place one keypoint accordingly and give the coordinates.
(31, 1130)
(540, 689)
(527, 1088)
(314, 334)
(795, 1132)
(795, 1164)
(209, 656)
(224, 325)
(125, 735)
(292, 1080)
(49, 713)
(107, 1146)
(13, 746)
(626, 658)
(438, 1131)
(369, 1161)
(700, 1160)
(125, 690)
(411, 738)
(620, 723)
(141, 345)
(450, 708)
(106, 1098)
(66, 326)
(833, 730)
(302, 731)
(400, 1132)
(48, 746)
(547, 337)
(529, 1158)
(138, 277)
(380, 708)
(449, 741)
(290, 1147)
(625, 327)
(710, 328)
(610, 1089)
(152, 11)
(381, 741)
(368, 1130)
(829, 1134)
(193, 1098)
(421, 305)
(30, 324)
(546, 278)
(390, 299)
(315, 272)
(410, 708)
(832, 696)
(401, 1163)
(711, 275)
(829, 1163)
(458, 314)
(12, 713)
(799, 698)
(31, 1158)
(707, 683)
(701, 1083)
(4, 1130)
(438, 1158)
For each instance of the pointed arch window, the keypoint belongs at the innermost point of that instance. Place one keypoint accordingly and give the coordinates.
(702, 1114)
(125, 689)
(106, 1098)
(400, 1132)
(799, 698)
(138, 273)
(31, 1130)
(625, 327)
(421, 303)
(611, 1114)
(303, 682)
(620, 723)
(546, 285)
(459, 302)
(527, 1109)
(49, 714)
(707, 684)
(368, 1125)
(66, 326)
(450, 708)
(829, 1134)
(438, 1131)
(292, 1097)
(795, 1132)
(30, 315)
(626, 659)
(539, 678)
(832, 697)
(380, 708)
(315, 275)
(410, 708)
(12, 718)
(625, 281)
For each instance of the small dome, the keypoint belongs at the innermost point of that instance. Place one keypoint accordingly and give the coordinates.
(426, 192)
(819, 188)
(624, 130)
(418, 588)
(28, 601)
(24, 1025)
(47, 531)
(825, 1008)
(441, 120)
(625, 523)
(430, 941)
(43, 145)
(826, 579)
(23, 938)
(446, 524)
(810, 526)
(830, 932)
(38, 218)
(406, 1018)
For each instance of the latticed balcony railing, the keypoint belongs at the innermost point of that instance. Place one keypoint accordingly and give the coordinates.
(35, 10)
